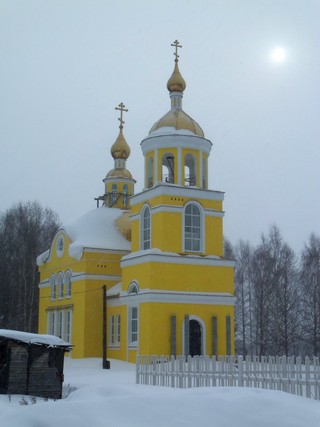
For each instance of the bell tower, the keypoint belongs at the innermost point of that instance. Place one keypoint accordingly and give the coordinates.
(119, 184)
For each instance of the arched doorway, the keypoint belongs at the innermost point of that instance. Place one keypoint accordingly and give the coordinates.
(195, 338)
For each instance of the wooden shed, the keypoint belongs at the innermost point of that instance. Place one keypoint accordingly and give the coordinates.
(31, 364)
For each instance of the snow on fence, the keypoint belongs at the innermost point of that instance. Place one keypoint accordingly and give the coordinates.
(290, 374)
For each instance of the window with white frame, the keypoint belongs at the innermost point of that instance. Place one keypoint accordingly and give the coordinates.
(67, 282)
(133, 326)
(133, 288)
(114, 194)
(125, 195)
(112, 330)
(60, 283)
(118, 329)
(59, 323)
(192, 228)
(52, 282)
(145, 228)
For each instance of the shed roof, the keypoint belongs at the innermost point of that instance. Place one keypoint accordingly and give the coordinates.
(29, 338)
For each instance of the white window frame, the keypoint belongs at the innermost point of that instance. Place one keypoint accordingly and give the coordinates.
(118, 329)
(112, 329)
(60, 285)
(53, 288)
(133, 326)
(59, 323)
(145, 243)
(67, 283)
(114, 192)
(125, 194)
(201, 230)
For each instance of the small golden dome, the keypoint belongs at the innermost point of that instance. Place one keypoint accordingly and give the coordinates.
(179, 120)
(119, 173)
(123, 224)
(120, 149)
(176, 83)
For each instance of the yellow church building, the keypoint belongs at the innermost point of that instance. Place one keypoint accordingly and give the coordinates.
(145, 273)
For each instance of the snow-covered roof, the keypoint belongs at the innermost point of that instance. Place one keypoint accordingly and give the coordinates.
(29, 338)
(96, 229)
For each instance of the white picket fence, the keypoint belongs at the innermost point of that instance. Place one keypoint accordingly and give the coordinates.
(290, 374)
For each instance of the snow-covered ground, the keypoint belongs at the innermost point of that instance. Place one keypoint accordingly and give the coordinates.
(110, 398)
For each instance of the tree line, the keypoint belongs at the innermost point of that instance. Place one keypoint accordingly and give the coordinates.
(26, 230)
(277, 310)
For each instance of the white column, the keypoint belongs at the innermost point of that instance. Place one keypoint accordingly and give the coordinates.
(201, 170)
(156, 167)
(179, 166)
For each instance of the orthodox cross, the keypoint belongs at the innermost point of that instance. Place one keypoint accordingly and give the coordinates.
(121, 108)
(176, 45)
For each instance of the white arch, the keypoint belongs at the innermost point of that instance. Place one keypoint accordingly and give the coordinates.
(203, 333)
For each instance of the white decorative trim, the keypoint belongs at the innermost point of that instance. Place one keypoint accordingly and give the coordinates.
(192, 142)
(158, 296)
(177, 209)
(77, 277)
(203, 333)
(106, 251)
(115, 179)
(165, 189)
(156, 256)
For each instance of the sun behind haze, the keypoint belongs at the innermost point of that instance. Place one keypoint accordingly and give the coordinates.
(278, 55)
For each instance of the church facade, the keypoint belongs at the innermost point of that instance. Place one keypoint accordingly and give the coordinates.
(145, 273)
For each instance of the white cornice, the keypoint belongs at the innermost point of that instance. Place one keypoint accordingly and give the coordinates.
(156, 256)
(165, 189)
(173, 297)
(178, 210)
(77, 277)
(191, 142)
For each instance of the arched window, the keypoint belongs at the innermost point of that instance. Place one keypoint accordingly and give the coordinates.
(193, 228)
(133, 288)
(52, 282)
(190, 177)
(167, 170)
(114, 194)
(145, 235)
(60, 285)
(67, 281)
(125, 194)
(150, 172)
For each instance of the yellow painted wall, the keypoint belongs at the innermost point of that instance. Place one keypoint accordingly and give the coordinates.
(157, 317)
(180, 277)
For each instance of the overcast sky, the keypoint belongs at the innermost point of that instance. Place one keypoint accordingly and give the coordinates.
(65, 66)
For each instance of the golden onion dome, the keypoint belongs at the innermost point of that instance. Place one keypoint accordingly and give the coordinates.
(176, 83)
(123, 224)
(120, 149)
(119, 173)
(179, 120)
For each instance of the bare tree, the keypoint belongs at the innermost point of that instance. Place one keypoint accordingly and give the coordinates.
(26, 230)
(310, 283)
(243, 291)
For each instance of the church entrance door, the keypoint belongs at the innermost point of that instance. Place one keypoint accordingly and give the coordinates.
(195, 338)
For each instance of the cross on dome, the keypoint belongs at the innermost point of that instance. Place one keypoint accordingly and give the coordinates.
(176, 45)
(121, 108)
